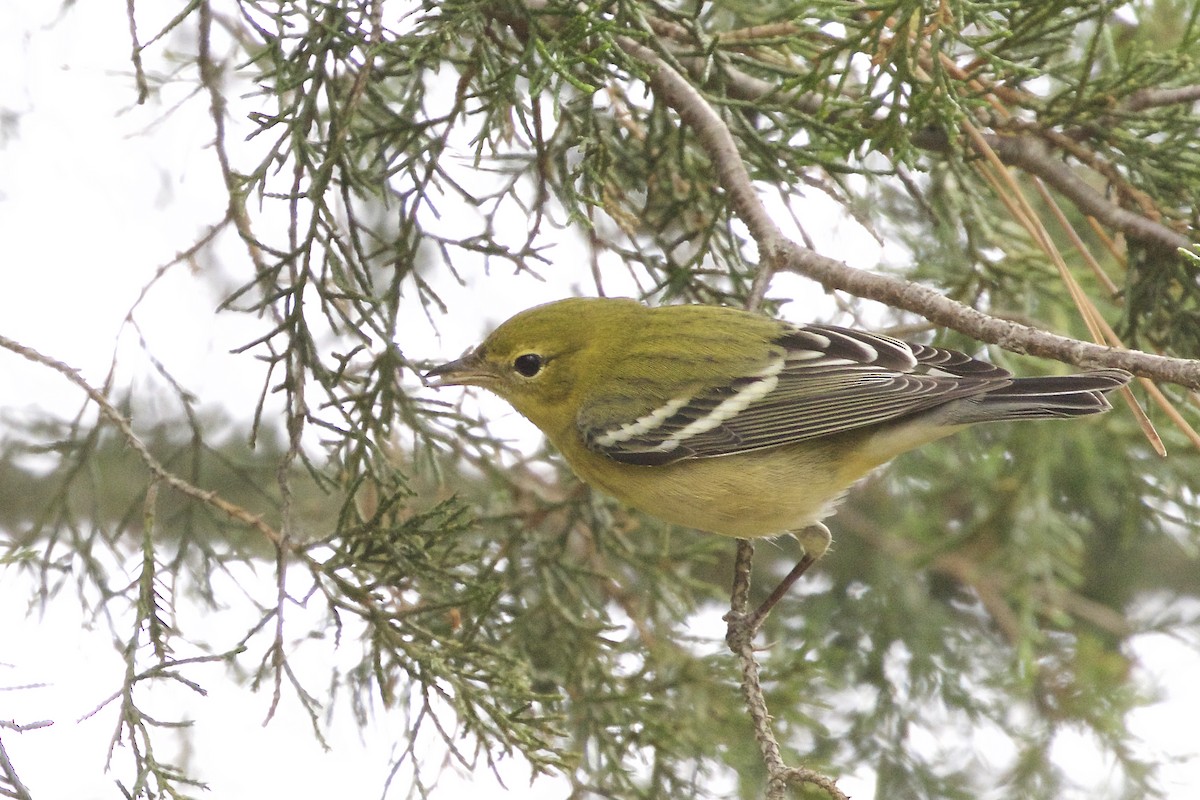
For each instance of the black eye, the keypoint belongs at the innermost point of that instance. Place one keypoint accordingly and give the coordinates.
(529, 364)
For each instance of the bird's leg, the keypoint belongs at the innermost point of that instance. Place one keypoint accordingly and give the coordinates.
(742, 626)
(815, 539)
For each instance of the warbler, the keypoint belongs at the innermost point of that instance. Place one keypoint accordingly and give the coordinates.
(736, 423)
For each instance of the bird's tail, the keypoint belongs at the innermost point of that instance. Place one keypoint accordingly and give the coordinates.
(1043, 398)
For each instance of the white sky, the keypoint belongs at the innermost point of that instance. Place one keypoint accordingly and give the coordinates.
(88, 211)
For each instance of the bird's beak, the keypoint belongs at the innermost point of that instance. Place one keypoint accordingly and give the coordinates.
(470, 370)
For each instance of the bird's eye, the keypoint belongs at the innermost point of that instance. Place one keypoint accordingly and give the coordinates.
(528, 365)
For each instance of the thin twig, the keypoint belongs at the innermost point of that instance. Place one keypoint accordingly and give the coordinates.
(108, 410)
(740, 638)
(210, 78)
(135, 54)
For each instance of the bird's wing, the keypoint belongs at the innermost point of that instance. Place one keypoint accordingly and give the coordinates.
(821, 380)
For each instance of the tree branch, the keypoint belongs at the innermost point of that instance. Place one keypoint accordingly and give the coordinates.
(678, 93)
(1011, 336)
(1155, 98)
(780, 253)
(1035, 157)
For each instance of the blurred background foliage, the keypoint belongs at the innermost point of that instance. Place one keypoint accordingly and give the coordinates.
(378, 155)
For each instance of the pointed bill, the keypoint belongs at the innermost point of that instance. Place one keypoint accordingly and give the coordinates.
(470, 370)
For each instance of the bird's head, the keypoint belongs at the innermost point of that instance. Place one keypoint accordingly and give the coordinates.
(538, 359)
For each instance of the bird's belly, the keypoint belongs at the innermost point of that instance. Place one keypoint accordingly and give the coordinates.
(763, 493)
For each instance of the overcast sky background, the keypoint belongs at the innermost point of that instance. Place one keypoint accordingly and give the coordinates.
(95, 194)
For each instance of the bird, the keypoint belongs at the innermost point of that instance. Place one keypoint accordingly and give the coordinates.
(733, 422)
